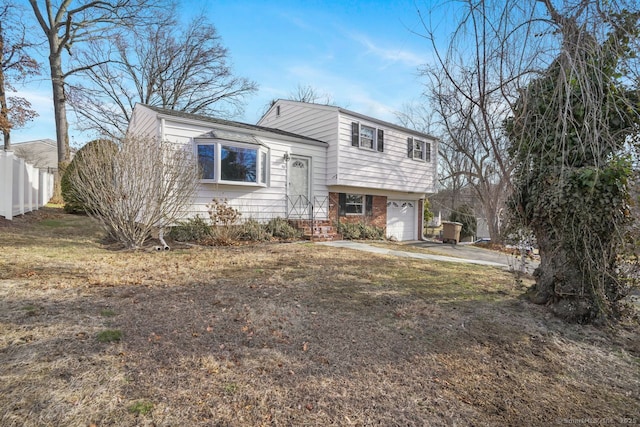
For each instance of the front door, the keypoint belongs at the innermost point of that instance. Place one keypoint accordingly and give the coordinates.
(298, 188)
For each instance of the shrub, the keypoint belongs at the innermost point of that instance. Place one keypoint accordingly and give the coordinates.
(224, 218)
(192, 230)
(71, 194)
(133, 186)
(252, 230)
(281, 229)
(221, 213)
(360, 230)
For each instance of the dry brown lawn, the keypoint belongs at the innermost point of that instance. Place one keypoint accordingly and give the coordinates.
(287, 335)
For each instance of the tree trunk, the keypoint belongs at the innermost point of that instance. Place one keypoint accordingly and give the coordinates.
(60, 109)
(4, 108)
(563, 283)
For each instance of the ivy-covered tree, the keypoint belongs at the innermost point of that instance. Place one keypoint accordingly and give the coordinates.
(567, 138)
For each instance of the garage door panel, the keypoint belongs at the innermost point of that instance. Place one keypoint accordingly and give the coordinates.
(401, 219)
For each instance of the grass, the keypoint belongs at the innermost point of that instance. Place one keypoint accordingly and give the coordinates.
(286, 334)
(107, 313)
(109, 335)
(140, 408)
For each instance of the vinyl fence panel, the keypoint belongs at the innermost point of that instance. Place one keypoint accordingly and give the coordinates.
(23, 187)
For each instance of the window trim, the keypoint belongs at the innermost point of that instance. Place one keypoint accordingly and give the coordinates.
(262, 176)
(367, 204)
(356, 137)
(425, 149)
(361, 204)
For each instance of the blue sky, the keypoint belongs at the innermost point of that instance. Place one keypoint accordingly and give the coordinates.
(364, 54)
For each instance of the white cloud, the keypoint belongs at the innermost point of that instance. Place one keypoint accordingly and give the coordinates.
(392, 55)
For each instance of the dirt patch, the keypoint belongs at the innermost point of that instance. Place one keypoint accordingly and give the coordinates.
(288, 334)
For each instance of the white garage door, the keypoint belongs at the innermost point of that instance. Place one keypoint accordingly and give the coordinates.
(401, 216)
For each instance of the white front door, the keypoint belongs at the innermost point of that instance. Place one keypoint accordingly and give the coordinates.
(298, 187)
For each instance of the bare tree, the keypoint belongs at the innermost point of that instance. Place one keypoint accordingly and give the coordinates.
(66, 24)
(15, 65)
(164, 64)
(310, 94)
(134, 186)
(470, 87)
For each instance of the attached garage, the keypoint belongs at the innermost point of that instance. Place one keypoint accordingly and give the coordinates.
(402, 219)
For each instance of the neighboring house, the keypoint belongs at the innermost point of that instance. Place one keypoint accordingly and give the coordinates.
(41, 153)
(306, 162)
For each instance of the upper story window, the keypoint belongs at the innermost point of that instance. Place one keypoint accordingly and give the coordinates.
(232, 163)
(418, 149)
(367, 137)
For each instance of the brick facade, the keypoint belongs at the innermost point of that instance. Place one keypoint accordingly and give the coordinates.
(377, 218)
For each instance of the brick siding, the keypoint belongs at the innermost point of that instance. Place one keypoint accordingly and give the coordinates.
(378, 217)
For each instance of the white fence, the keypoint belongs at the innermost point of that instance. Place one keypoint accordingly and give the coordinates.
(23, 187)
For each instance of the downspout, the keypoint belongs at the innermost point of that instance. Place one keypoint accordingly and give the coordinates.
(421, 217)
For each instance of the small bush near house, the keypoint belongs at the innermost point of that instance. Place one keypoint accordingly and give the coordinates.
(221, 213)
(360, 231)
(192, 230)
(133, 185)
(253, 231)
(281, 229)
(224, 218)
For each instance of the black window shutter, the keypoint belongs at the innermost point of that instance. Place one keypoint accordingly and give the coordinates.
(342, 204)
(355, 134)
(410, 147)
(427, 151)
(380, 140)
(368, 206)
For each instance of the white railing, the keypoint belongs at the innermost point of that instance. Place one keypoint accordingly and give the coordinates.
(23, 187)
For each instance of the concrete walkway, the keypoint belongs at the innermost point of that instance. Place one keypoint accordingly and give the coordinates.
(384, 251)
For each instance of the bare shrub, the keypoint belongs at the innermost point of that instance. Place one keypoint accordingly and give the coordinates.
(225, 218)
(144, 183)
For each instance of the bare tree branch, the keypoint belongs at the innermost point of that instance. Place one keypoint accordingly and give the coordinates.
(161, 64)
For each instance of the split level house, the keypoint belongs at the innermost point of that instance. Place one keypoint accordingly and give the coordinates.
(312, 164)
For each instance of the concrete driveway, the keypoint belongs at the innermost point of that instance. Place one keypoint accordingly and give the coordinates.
(461, 253)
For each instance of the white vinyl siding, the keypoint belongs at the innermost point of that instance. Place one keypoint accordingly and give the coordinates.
(311, 120)
(144, 123)
(258, 202)
(388, 170)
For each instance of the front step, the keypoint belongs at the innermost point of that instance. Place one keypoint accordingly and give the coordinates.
(316, 231)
